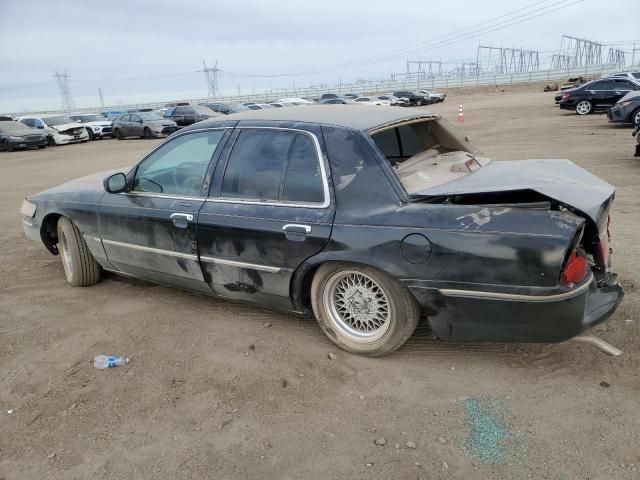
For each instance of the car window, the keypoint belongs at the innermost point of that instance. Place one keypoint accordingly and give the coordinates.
(178, 167)
(28, 122)
(303, 180)
(602, 85)
(256, 165)
(411, 143)
(387, 142)
(623, 85)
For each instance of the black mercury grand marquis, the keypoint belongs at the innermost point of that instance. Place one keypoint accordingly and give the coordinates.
(371, 217)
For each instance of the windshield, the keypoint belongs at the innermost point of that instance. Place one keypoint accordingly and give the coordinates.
(149, 116)
(200, 110)
(53, 121)
(90, 118)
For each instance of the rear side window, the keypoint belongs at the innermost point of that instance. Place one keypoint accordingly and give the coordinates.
(271, 165)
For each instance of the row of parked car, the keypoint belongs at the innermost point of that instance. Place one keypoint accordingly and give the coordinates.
(617, 94)
(59, 129)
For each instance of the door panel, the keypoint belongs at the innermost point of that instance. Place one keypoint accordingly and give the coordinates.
(269, 211)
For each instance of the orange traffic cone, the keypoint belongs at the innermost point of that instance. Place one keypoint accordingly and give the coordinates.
(460, 115)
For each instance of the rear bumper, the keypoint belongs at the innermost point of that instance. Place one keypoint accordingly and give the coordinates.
(471, 316)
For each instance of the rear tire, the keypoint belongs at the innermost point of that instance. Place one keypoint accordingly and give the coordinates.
(6, 146)
(363, 310)
(80, 268)
(584, 107)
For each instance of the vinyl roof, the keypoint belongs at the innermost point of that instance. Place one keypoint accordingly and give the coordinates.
(358, 117)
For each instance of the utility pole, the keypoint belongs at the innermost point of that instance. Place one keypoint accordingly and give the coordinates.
(65, 92)
(211, 76)
(101, 98)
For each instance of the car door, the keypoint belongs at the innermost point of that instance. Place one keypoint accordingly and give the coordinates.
(123, 125)
(600, 93)
(620, 88)
(149, 231)
(269, 209)
(135, 125)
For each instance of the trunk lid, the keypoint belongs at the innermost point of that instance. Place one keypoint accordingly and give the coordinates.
(559, 180)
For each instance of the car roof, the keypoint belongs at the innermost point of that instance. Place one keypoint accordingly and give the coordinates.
(357, 117)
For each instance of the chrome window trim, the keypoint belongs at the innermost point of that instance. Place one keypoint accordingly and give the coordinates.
(233, 263)
(160, 251)
(323, 172)
(517, 297)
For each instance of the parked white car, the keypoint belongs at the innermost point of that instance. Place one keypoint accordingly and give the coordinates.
(369, 101)
(59, 129)
(96, 125)
(294, 101)
(392, 100)
(433, 96)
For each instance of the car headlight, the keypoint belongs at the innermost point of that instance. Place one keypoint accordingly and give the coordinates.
(28, 209)
(97, 129)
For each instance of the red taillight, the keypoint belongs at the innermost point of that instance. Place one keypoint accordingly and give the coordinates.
(575, 270)
(565, 96)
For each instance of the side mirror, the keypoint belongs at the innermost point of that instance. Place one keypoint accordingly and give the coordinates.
(116, 183)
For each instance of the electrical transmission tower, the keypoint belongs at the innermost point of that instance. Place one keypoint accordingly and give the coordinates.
(425, 69)
(496, 60)
(211, 75)
(101, 97)
(65, 91)
(616, 56)
(577, 52)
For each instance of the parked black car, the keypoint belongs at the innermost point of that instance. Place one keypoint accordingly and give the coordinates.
(336, 101)
(225, 108)
(597, 95)
(6, 118)
(15, 135)
(143, 124)
(188, 114)
(414, 98)
(345, 211)
(627, 110)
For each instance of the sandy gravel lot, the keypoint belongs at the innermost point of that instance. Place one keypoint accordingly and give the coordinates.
(213, 391)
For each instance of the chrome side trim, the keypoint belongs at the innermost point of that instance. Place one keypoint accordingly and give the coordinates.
(233, 263)
(159, 195)
(448, 292)
(159, 251)
(323, 172)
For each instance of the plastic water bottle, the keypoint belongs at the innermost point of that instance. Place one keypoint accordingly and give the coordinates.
(108, 361)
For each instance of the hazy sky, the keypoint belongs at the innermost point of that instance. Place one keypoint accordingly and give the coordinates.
(150, 50)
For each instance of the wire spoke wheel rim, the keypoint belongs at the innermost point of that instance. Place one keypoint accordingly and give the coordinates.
(357, 306)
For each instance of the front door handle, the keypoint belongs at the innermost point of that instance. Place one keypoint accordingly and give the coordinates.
(181, 220)
(296, 232)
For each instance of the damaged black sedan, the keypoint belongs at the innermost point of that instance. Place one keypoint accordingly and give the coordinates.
(371, 218)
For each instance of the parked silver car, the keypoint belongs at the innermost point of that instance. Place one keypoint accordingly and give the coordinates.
(143, 124)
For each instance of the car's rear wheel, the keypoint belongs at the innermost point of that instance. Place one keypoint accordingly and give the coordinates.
(147, 133)
(80, 268)
(6, 146)
(584, 107)
(363, 310)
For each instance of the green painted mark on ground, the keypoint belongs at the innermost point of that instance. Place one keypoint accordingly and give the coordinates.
(488, 430)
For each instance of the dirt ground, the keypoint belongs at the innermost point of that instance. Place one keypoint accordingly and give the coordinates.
(220, 390)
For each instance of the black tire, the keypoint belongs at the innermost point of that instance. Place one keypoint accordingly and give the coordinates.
(147, 133)
(418, 103)
(635, 117)
(51, 142)
(80, 268)
(41, 146)
(584, 107)
(6, 146)
(118, 134)
(401, 309)
(91, 135)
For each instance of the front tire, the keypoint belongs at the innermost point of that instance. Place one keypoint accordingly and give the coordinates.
(584, 107)
(363, 310)
(147, 133)
(418, 103)
(91, 135)
(118, 134)
(80, 268)
(635, 117)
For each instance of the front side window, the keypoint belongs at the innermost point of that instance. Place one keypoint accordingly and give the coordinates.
(178, 167)
(273, 166)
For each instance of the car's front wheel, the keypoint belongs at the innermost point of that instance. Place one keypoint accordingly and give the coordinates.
(635, 117)
(363, 310)
(118, 134)
(147, 133)
(91, 135)
(418, 103)
(584, 107)
(80, 268)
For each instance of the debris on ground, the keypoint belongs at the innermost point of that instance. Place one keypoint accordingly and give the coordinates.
(51, 456)
(410, 444)
(332, 356)
(266, 324)
(381, 441)
(604, 384)
(488, 430)
(108, 361)
(442, 440)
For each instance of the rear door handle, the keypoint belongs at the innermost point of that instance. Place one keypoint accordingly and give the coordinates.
(181, 220)
(296, 232)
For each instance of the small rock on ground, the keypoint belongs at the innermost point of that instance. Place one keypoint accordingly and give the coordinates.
(381, 441)
(51, 455)
(410, 444)
(332, 356)
(442, 440)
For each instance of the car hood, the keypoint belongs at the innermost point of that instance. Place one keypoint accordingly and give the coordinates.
(560, 180)
(98, 123)
(66, 126)
(23, 132)
(89, 188)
